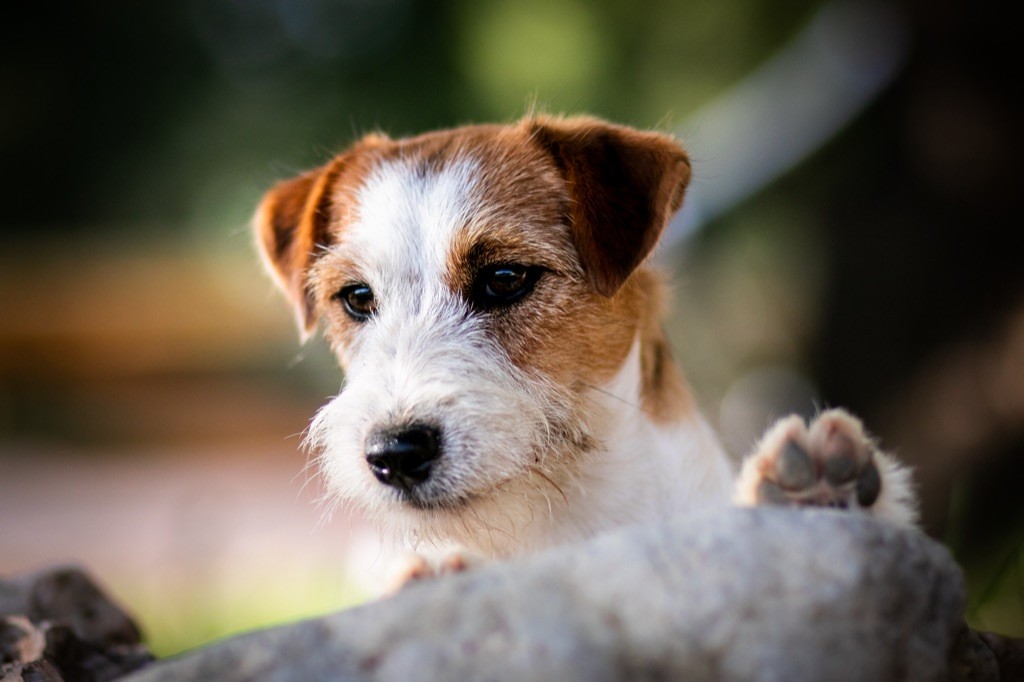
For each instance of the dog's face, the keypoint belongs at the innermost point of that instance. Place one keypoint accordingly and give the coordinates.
(477, 285)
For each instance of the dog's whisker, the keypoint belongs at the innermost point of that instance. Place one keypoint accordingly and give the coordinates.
(624, 401)
(483, 525)
(327, 507)
(309, 469)
(310, 477)
(557, 488)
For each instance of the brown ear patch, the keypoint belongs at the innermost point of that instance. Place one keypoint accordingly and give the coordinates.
(624, 185)
(293, 223)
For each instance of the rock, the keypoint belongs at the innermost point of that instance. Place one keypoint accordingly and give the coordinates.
(56, 625)
(768, 594)
(20, 640)
(1008, 653)
(36, 671)
(972, 660)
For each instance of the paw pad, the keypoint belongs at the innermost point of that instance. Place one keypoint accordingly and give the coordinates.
(829, 464)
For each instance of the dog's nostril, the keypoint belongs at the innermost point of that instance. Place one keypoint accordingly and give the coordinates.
(402, 457)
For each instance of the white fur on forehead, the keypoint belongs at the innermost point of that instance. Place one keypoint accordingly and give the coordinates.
(423, 358)
(409, 214)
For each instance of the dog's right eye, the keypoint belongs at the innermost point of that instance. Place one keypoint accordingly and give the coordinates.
(358, 301)
(503, 284)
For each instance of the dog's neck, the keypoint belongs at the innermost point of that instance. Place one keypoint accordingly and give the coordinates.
(656, 456)
(653, 430)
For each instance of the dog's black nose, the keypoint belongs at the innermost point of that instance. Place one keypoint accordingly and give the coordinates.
(403, 457)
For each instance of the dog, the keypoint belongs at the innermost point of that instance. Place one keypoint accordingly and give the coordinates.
(507, 384)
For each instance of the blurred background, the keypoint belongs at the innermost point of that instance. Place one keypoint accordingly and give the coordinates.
(848, 241)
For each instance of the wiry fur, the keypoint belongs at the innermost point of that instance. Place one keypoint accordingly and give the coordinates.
(562, 415)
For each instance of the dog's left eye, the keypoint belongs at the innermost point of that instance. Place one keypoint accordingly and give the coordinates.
(358, 301)
(498, 285)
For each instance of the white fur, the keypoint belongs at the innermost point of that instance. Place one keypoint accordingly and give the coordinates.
(526, 463)
(647, 470)
(425, 358)
(512, 440)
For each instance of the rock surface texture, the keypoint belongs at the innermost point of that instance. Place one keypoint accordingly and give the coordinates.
(755, 594)
(57, 625)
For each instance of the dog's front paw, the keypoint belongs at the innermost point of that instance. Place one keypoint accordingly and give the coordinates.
(414, 568)
(831, 463)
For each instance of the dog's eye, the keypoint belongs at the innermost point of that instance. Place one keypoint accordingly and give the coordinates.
(358, 301)
(498, 285)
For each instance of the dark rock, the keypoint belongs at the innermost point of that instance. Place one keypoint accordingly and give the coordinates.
(768, 594)
(36, 671)
(1008, 652)
(971, 659)
(80, 659)
(69, 596)
(56, 624)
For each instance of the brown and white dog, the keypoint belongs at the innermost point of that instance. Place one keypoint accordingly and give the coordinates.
(508, 386)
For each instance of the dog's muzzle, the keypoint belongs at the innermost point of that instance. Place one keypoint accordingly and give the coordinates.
(403, 457)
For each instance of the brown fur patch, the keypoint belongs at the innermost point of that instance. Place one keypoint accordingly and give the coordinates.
(624, 184)
(582, 199)
(298, 218)
(663, 391)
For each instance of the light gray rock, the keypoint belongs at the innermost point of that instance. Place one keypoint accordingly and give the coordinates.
(765, 594)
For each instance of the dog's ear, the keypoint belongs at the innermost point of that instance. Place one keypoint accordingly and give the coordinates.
(624, 185)
(291, 224)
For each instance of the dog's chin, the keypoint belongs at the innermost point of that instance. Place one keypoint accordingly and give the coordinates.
(422, 523)
(496, 518)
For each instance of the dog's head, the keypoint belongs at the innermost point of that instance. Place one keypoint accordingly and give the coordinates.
(477, 285)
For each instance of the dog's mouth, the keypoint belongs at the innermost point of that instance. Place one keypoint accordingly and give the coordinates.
(439, 500)
(456, 475)
(436, 504)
